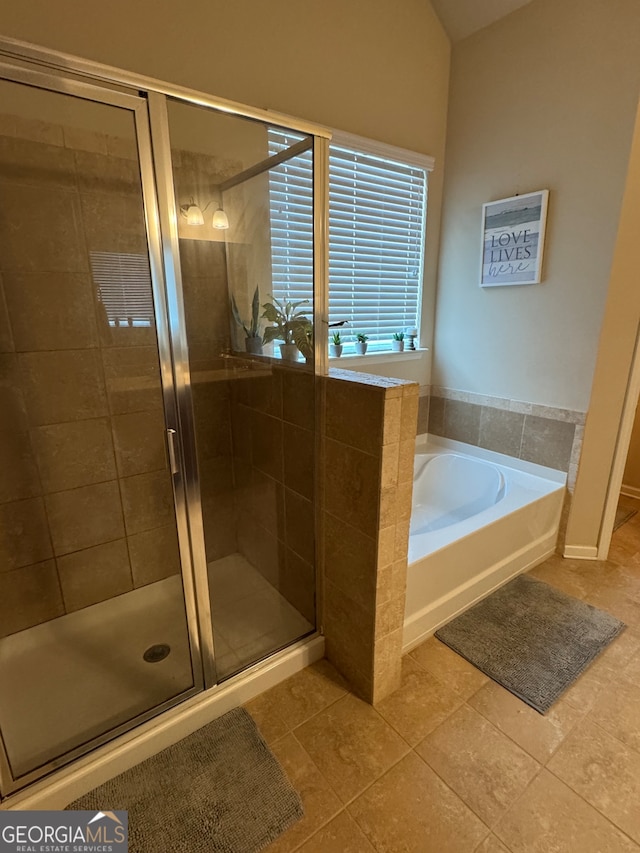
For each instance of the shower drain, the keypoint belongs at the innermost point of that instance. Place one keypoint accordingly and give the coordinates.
(156, 653)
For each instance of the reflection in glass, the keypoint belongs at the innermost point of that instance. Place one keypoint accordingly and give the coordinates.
(254, 410)
(89, 563)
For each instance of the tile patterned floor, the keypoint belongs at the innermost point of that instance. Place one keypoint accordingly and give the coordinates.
(453, 763)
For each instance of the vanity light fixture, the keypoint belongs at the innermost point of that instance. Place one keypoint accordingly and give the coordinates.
(220, 219)
(194, 214)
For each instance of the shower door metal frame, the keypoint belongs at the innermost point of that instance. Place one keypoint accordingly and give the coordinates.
(137, 106)
(139, 83)
(159, 125)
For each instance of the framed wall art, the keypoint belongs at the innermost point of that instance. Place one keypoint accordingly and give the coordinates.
(513, 239)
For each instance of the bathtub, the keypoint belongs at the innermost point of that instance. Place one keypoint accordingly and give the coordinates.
(479, 518)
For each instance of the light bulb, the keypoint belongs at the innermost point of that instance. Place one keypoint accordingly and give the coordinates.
(220, 219)
(194, 215)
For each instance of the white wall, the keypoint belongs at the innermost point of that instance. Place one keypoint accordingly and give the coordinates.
(544, 98)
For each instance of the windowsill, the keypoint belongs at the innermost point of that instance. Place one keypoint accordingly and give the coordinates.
(378, 357)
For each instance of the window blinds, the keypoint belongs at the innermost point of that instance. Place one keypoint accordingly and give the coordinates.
(291, 214)
(124, 287)
(377, 210)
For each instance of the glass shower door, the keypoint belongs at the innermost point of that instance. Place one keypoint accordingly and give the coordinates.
(253, 401)
(93, 623)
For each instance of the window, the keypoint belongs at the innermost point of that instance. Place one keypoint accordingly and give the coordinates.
(377, 214)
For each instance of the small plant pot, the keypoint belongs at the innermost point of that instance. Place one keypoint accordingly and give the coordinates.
(335, 350)
(289, 352)
(361, 348)
(397, 346)
(253, 345)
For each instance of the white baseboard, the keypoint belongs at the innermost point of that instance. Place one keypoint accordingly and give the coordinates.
(630, 491)
(581, 552)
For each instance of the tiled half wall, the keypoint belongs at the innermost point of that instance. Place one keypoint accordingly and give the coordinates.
(369, 446)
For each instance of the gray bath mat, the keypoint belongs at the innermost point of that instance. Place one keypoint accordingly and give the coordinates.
(623, 514)
(219, 790)
(531, 638)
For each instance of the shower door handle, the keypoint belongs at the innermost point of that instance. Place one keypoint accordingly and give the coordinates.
(171, 438)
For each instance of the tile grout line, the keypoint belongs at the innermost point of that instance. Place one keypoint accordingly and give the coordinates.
(508, 736)
(513, 804)
(291, 730)
(543, 765)
(345, 805)
(594, 722)
(455, 793)
(591, 805)
(537, 773)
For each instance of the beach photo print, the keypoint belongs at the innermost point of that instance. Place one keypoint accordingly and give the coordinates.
(513, 239)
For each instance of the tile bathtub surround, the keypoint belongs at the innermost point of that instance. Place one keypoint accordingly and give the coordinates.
(369, 440)
(423, 411)
(541, 434)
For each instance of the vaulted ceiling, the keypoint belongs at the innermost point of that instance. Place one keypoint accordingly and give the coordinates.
(460, 18)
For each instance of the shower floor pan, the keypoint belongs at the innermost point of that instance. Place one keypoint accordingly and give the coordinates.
(74, 678)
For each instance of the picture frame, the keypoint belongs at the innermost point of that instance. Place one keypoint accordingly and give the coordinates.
(513, 232)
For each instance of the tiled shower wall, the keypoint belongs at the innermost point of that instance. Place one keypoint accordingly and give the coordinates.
(207, 323)
(541, 434)
(273, 429)
(86, 508)
(254, 418)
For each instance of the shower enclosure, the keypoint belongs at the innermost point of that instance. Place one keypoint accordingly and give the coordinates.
(157, 476)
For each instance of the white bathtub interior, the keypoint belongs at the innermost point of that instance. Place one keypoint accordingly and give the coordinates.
(479, 518)
(448, 490)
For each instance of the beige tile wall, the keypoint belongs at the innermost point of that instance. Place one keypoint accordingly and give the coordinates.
(545, 435)
(369, 448)
(85, 495)
(254, 421)
(206, 304)
(274, 437)
(542, 434)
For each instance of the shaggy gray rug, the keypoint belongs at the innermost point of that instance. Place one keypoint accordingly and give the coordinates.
(531, 638)
(219, 790)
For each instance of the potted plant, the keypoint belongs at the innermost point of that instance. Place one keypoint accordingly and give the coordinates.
(397, 344)
(335, 347)
(253, 340)
(303, 339)
(361, 343)
(288, 323)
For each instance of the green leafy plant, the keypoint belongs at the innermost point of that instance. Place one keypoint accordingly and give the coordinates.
(303, 338)
(336, 340)
(253, 329)
(398, 336)
(288, 322)
(362, 339)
